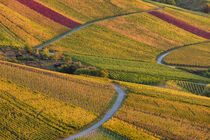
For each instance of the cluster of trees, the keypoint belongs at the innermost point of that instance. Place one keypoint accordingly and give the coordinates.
(62, 63)
(206, 8)
(206, 91)
(172, 2)
(78, 68)
(28, 53)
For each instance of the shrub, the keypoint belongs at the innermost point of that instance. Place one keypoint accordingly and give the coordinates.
(28, 49)
(45, 53)
(206, 8)
(92, 72)
(2, 57)
(206, 91)
(67, 59)
(78, 64)
(68, 69)
(57, 56)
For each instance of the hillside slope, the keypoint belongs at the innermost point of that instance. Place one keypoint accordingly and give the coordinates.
(27, 114)
(163, 113)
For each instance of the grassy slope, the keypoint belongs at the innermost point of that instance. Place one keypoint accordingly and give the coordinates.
(80, 91)
(26, 114)
(162, 112)
(87, 10)
(195, 55)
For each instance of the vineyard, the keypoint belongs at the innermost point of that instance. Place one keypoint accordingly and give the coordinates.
(41, 117)
(83, 92)
(87, 10)
(201, 21)
(138, 72)
(27, 26)
(195, 55)
(196, 88)
(50, 13)
(5, 40)
(104, 40)
(138, 97)
(150, 112)
(181, 24)
(101, 134)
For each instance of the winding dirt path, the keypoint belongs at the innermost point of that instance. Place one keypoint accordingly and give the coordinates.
(86, 25)
(70, 23)
(164, 54)
(107, 116)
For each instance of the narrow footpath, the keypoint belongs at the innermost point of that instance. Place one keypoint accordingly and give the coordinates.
(107, 116)
(164, 54)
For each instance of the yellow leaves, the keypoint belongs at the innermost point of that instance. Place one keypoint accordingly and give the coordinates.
(168, 113)
(85, 92)
(194, 55)
(37, 106)
(127, 130)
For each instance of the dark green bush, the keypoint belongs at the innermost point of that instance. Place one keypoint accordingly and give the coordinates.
(92, 72)
(206, 91)
(68, 69)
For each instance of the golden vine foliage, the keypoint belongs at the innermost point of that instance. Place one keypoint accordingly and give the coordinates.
(163, 113)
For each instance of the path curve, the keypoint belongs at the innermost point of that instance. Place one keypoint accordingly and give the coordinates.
(107, 116)
(88, 24)
(164, 54)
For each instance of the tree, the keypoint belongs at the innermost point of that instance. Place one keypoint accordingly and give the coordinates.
(207, 8)
(57, 56)
(172, 2)
(28, 49)
(45, 53)
(68, 59)
(178, 1)
(206, 91)
(37, 52)
(92, 71)
(68, 69)
(2, 57)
